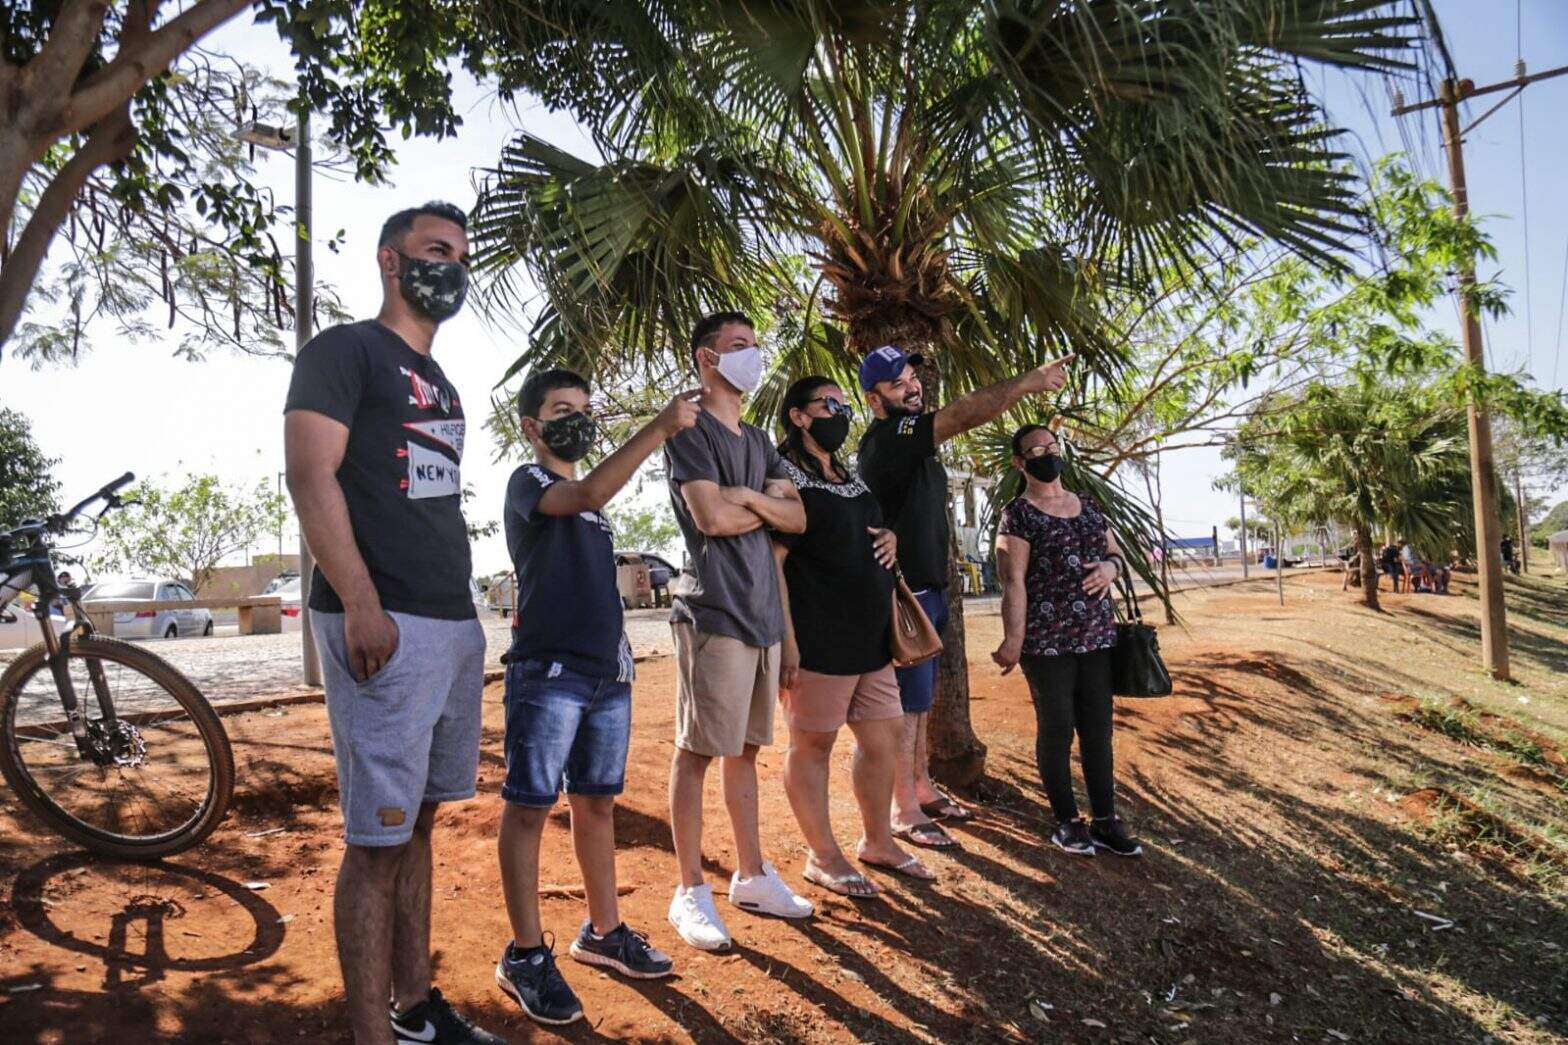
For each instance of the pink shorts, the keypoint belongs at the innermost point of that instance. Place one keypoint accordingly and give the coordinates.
(823, 703)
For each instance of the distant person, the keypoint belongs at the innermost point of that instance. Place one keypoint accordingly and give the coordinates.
(1352, 576)
(1510, 562)
(1389, 563)
(837, 666)
(1059, 562)
(729, 488)
(568, 691)
(900, 459)
(1410, 565)
(373, 436)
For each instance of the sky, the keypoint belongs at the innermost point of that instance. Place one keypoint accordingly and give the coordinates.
(134, 407)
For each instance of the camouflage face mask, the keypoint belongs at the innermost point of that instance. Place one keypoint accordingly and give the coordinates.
(436, 288)
(570, 437)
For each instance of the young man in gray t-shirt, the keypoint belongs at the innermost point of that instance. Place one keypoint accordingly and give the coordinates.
(728, 489)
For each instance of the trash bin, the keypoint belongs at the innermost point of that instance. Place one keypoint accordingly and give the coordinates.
(634, 582)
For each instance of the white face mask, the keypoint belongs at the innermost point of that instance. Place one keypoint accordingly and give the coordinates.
(742, 367)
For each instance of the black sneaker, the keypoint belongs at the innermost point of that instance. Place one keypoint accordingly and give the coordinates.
(624, 950)
(434, 1020)
(1072, 836)
(1109, 834)
(531, 978)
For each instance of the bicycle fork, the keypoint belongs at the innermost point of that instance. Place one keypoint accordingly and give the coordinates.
(58, 648)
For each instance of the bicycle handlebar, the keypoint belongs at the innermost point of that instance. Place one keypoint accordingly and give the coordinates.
(104, 494)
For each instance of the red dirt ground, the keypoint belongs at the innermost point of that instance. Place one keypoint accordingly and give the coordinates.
(1277, 901)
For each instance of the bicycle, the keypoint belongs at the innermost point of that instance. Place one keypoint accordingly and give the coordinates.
(153, 773)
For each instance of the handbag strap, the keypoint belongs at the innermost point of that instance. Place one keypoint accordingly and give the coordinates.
(1128, 595)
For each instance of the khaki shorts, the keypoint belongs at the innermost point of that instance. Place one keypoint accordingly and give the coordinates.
(823, 703)
(724, 693)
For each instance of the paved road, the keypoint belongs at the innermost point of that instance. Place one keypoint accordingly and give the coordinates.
(231, 668)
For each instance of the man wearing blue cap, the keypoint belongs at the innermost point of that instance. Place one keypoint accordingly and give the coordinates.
(900, 461)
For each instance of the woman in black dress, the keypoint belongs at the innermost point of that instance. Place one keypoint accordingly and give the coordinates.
(835, 667)
(1058, 560)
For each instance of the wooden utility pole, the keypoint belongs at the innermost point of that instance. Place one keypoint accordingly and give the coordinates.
(1244, 570)
(1519, 519)
(1279, 564)
(1483, 468)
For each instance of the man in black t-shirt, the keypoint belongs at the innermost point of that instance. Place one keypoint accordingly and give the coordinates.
(568, 686)
(899, 460)
(373, 437)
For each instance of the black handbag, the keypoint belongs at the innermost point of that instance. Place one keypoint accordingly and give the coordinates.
(1137, 670)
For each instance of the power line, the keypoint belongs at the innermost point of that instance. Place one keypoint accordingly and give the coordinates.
(1562, 301)
(1524, 211)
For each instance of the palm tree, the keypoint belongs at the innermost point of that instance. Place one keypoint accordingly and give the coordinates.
(966, 179)
(1372, 453)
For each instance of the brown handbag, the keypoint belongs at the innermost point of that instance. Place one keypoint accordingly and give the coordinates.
(913, 638)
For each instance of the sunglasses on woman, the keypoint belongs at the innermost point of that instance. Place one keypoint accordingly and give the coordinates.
(835, 407)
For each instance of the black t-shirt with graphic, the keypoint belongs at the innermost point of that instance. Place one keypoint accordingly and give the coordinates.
(898, 460)
(568, 607)
(400, 469)
(840, 597)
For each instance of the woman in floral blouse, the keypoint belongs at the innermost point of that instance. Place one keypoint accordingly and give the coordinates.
(1058, 560)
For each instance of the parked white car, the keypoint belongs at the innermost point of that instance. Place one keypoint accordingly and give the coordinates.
(152, 623)
(287, 588)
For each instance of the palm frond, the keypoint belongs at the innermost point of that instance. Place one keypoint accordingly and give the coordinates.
(626, 254)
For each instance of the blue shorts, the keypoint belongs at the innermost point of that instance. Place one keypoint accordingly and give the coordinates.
(564, 731)
(917, 685)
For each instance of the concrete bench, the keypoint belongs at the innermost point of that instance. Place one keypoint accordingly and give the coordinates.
(259, 614)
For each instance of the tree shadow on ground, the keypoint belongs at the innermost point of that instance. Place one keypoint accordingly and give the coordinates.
(1548, 652)
(1253, 886)
(1359, 883)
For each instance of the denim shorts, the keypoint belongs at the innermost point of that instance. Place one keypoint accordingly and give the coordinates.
(917, 684)
(564, 731)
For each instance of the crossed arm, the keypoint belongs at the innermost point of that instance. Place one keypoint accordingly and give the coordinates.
(727, 511)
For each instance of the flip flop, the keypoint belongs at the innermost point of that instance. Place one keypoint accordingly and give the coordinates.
(938, 809)
(839, 883)
(907, 868)
(928, 835)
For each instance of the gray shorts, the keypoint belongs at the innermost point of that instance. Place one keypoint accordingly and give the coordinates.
(410, 733)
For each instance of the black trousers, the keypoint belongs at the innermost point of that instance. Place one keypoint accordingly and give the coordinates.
(1072, 693)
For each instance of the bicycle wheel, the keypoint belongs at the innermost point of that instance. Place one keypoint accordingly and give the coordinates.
(165, 771)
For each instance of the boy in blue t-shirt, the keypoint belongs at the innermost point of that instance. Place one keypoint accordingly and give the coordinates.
(568, 686)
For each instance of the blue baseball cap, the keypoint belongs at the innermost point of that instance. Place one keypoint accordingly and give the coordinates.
(885, 364)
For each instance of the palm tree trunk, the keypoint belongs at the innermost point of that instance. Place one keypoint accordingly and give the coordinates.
(957, 755)
(1368, 567)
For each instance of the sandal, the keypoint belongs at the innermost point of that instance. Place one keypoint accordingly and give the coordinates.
(841, 883)
(911, 868)
(945, 807)
(928, 835)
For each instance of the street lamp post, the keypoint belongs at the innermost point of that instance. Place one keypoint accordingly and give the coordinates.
(304, 326)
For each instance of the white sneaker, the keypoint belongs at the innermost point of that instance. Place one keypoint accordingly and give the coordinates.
(766, 893)
(697, 920)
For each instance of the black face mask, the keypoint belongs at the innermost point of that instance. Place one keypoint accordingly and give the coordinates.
(570, 437)
(830, 432)
(434, 288)
(1046, 469)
